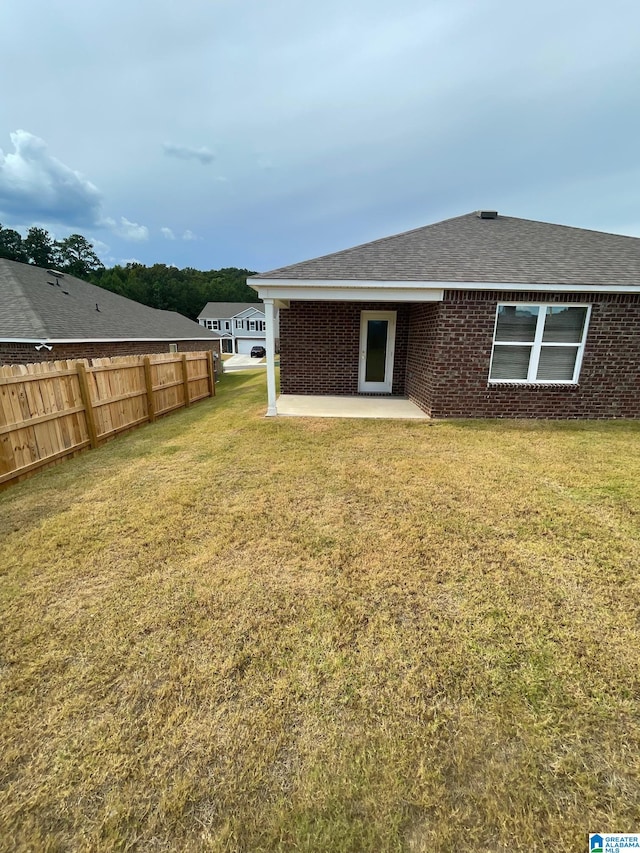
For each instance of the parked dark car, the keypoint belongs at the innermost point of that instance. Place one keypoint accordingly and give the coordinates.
(258, 352)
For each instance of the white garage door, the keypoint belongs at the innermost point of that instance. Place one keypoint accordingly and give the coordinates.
(244, 345)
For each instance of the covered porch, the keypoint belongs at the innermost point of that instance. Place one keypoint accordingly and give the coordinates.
(321, 406)
(348, 340)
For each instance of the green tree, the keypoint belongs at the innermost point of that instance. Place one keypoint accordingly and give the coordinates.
(11, 245)
(39, 247)
(75, 255)
(113, 279)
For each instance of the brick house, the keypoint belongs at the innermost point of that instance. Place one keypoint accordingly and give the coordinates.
(47, 316)
(477, 316)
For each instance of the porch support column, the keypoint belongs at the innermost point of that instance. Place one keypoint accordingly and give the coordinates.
(271, 357)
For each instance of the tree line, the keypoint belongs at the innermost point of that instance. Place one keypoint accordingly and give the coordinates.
(183, 290)
(186, 291)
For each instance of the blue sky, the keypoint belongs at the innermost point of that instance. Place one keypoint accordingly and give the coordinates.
(212, 133)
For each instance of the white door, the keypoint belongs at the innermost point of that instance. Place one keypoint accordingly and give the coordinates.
(377, 345)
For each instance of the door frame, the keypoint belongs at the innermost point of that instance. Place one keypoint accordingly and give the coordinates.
(385, 387)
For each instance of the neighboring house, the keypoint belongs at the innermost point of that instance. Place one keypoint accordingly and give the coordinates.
(46, 316)
(241, 324)
(477, 316)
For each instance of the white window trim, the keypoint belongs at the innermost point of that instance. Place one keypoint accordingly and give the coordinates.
(537, 344)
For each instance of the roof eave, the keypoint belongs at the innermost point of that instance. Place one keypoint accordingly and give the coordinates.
(44, 339)
(288, 288)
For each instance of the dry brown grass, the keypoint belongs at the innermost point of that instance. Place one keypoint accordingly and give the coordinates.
(228, 633)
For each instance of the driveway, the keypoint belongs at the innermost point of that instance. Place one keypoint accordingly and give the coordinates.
(243, 362)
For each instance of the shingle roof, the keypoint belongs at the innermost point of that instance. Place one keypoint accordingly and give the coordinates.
(226, 310)
(470, 249)
(36, 305)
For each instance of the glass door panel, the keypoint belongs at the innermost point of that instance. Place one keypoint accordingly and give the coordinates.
(377, 331)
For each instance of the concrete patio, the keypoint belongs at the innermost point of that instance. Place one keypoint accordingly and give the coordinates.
(309, 405)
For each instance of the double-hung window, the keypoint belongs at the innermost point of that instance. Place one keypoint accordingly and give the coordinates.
(538, 343)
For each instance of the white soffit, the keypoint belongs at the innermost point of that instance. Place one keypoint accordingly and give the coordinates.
(350, 291)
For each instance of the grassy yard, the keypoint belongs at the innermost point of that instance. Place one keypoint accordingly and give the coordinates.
(228, 633)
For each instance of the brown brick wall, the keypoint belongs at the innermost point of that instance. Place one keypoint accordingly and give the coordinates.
(443, 351)
(320, 342)
(28, 354)
(450, 350)
(422, 354)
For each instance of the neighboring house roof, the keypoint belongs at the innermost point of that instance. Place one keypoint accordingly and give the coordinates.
(227, 310)
(473, 249)
(35, 305)
(251, 313)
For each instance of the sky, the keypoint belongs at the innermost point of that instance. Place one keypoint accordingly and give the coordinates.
(259, 133)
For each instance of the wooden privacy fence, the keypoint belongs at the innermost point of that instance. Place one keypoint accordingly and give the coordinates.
(53, 410)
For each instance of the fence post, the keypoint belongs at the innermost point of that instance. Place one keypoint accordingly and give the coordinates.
(151, 406)
(211, 373)
(185, 380)
(85, 393)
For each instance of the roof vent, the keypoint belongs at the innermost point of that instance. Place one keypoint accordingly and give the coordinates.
(56, 273)
(487, 214)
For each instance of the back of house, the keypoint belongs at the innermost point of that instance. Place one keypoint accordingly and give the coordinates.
(482, 315)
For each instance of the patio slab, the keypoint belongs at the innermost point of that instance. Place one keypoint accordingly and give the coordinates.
(310, 405)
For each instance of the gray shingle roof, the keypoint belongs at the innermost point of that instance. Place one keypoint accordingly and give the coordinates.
(36, 305)
(471, 249)
(226, 310)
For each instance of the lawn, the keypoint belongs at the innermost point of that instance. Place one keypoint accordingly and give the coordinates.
(230, 633)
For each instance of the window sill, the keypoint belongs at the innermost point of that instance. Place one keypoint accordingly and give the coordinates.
(557, 386)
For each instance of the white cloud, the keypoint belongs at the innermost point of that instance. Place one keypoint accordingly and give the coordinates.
(189, 235)
(167, 233)
(127, 230)
(133, 231)
(186, 152)
(35, 186)
(101, 249)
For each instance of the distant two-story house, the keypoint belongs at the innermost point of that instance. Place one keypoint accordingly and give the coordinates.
(241, 325)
